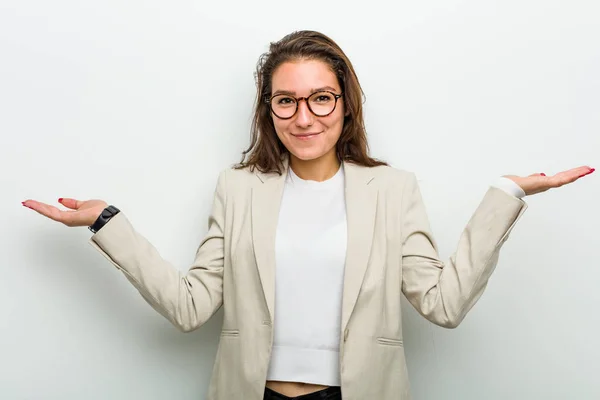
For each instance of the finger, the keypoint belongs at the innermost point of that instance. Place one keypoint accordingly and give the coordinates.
(569, 176)
(589, 172)
(70, 203)
(44, 209)
(581, 171)
(68, 217)
(575, 172)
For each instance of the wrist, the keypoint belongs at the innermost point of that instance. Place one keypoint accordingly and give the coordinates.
(105, 216)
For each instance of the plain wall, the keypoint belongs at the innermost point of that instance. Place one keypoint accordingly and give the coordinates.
(142, 103)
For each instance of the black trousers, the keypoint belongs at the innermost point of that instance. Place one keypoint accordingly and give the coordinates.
(331, 393)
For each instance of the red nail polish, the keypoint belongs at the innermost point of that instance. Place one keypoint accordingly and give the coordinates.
(592, 170)
(543, 174)
(60, 200)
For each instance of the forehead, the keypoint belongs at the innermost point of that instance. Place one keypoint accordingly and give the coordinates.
(302, 77)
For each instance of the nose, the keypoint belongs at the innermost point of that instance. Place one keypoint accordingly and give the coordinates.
(304, 118)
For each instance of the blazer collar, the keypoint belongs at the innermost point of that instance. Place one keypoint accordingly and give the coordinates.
(361, 204)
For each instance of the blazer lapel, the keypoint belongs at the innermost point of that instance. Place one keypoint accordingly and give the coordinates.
(361, 204)
(266, 202)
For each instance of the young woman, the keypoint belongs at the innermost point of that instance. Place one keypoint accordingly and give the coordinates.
(311, 243)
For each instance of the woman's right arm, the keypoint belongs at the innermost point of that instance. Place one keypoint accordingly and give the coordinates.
(189, 299)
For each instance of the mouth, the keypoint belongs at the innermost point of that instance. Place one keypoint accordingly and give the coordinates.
(306, 136)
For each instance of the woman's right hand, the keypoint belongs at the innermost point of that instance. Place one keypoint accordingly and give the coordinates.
(80, 213)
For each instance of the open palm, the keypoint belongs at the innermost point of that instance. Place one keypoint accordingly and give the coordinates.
(80, 213)
(538, 183)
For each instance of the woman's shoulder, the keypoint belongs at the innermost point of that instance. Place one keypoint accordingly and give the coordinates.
(235, 177)
(387, 175)
(240, 178)
(392, 172)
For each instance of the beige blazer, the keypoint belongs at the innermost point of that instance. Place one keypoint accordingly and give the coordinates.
(390, 252)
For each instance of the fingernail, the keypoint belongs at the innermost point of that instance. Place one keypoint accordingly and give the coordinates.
(60, 200)
(543, 174)
(589, 172)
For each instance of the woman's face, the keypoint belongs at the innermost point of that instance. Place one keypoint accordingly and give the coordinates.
(305, 135)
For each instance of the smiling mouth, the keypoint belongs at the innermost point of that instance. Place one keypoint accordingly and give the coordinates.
(306, 135)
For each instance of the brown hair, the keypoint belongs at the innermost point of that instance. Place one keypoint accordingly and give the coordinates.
(266, 150)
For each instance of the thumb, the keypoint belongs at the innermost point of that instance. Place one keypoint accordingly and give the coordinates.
(70, 203)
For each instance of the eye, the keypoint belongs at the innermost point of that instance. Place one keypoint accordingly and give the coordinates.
(322, 98)
(284, 100)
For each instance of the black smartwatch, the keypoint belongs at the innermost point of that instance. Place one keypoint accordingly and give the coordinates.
(104, 217)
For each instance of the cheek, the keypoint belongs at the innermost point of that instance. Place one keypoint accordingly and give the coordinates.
(281, 127)
(336, 124)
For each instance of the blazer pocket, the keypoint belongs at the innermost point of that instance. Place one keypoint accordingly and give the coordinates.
(230, 332)
(389, 342)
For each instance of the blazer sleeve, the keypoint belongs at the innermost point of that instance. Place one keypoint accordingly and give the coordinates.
(188, 299)
(444, 292)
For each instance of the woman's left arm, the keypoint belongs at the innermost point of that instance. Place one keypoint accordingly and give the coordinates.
(445, 292)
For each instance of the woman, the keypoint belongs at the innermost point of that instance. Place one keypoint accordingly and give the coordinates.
(311, 243)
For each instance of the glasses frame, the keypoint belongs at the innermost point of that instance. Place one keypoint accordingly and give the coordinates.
(269, 100)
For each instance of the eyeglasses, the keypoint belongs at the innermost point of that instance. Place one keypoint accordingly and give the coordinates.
(321, 104)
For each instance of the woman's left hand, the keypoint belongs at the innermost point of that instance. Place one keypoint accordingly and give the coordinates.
(538, 183)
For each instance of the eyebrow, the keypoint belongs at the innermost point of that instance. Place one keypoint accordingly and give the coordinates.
(291, 93)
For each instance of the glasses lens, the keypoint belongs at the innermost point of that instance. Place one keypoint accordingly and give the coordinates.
(321, 103)
(283, 105)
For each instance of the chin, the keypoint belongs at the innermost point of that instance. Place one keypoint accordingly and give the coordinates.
(308, 154)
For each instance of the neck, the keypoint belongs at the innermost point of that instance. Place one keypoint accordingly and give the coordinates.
(319, 169)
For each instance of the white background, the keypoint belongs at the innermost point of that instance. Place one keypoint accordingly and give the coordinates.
(142, 103)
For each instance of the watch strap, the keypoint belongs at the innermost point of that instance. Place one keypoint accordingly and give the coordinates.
(103, 218)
